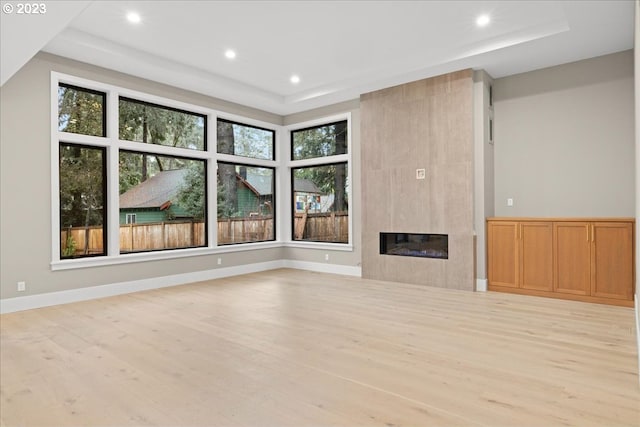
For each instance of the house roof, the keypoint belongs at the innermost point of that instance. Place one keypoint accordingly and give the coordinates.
(262, 184)
(163, 187)
(155, 191)
(305, 186)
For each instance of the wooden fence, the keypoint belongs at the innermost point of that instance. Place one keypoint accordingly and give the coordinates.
(333, 227)
(162, 235)
(322, 227)
(243, 230)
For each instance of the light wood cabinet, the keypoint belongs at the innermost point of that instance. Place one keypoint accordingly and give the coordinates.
(586, 260)
(521, 256)
(502, 241)
(536, 260)
(572, 252)
(612, 260)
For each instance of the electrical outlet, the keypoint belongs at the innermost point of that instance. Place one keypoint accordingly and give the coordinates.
(421, 173)
(326, 257)
(509, 201)
(219, 261)
(22, 286)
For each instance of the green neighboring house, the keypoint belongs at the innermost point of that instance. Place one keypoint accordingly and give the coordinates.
(255, 194)
(154, 200)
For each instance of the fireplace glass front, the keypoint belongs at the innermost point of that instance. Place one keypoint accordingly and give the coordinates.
(416, 245)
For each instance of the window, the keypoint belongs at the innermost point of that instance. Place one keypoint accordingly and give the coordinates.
(246, 196)
(154, 124)
(245, 192)
(166, 197)
(81, 111)
(82, 201)
(319, 141)
(81, 173)
(320, 183)
(136, 175)
(246, 141)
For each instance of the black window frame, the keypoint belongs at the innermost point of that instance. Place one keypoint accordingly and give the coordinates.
(293, 203)
(292, 146)
(164, 107)
(93, 92)
(105, 201)
(206, 201)
(273, 139)
(273, 200)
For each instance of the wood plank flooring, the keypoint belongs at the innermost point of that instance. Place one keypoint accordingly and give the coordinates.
(295, 348)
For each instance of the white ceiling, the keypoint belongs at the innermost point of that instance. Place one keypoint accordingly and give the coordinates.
(339, 49)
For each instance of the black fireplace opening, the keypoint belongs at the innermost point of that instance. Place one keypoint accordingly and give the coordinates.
(414, 244)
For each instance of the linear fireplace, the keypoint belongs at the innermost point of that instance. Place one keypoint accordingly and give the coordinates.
(416, 245)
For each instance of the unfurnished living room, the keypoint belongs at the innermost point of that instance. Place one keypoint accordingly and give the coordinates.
(319, 213)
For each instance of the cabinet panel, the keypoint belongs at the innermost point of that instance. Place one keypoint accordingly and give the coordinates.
(536, 256)
(572, 249)
(612, 260)
(502, 245)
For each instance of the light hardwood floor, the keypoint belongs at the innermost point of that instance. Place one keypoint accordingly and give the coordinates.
(295, 348)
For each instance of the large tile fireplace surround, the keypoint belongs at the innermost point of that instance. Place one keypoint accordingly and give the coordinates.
(427, 124)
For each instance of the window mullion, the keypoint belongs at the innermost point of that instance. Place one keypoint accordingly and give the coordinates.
(315, 161)
(55, 173)
(113, 174)
(212, 190)
(162, 150)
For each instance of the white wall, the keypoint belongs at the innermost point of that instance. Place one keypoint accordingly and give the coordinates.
(483, 176)
(564, 140)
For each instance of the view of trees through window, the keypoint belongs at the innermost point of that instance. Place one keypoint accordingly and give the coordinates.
(82, 201)
(245, 203)
(153, 124)
(81, 111)
(167, 198)
(246, 141)
(320, 192)
(319, 141)
(163, 191)
(165, 194)
(245, 194)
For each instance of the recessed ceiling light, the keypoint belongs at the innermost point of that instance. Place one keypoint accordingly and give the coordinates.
(483, 20)
(230, 54)
(134, 17)
(295, 79)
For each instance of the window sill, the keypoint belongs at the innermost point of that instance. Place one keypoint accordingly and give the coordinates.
(319, 245)
(71, 264)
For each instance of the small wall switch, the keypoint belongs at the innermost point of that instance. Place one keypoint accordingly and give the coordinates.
(326, 257)
(421, 173)
(509, 201)
(22, 286)
(219, 261)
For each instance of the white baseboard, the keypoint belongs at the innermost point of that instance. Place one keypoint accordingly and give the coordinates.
(481, 285)
(320, 267)
(10, 305)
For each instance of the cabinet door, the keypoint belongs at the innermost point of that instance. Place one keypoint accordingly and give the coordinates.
(502, 253)
(572, 252)
(612, 260)
(536, 256)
